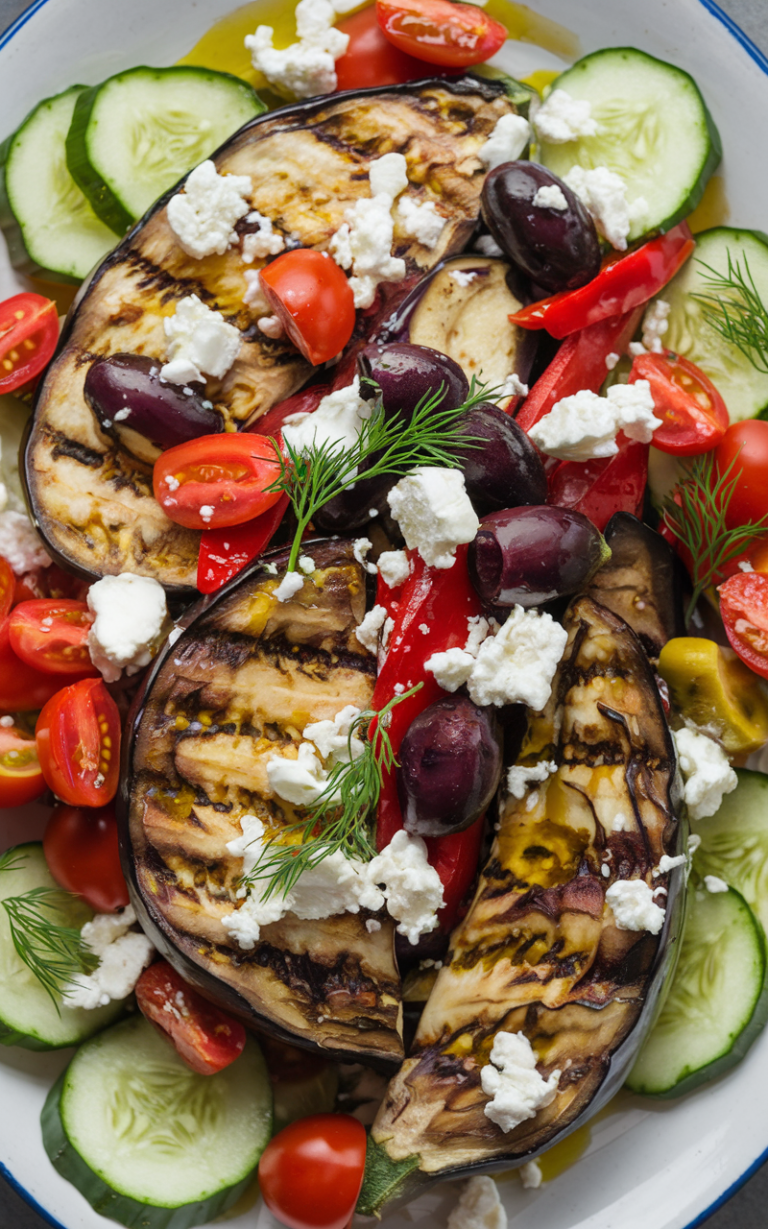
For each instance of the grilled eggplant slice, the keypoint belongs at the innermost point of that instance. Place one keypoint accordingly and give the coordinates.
(92, 501)
(538, 951)
(239, 685)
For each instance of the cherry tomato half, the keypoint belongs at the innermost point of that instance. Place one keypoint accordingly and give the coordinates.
(311, 1172)
(744, 610)
(743, 454)
(692, 412)
(441, 32)
(29, 331)
(217, 480)
(78, 742)
(7, 587)
(21, 778)
(22, 687)
(314, 300)
(83, 854)
(52, 581)
(206, 1038)
(53, 636)
(371, 59)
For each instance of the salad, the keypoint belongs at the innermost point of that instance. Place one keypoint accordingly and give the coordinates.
(384, 611)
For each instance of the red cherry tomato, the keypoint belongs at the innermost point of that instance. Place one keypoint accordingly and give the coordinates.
(692, 412)
(21, 778)
(441, 32)
(311, 1172)
(206, 1038)
(7, 587)
(314, 300)
(83, 855)
(29, 331)
(53, 636)
(743, 454)
(744, 610)
(22, 688)
(78, 742)
(216, 480)
(371, 59)
(49, 582)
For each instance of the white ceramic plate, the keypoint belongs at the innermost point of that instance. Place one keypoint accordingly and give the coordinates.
(666, 1166)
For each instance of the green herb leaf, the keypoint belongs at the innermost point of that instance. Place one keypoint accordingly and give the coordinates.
(54, 954)
(734, 309)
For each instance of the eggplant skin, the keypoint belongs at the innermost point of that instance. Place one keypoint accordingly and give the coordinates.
(90, 499)
(538, 951)
(239, 685)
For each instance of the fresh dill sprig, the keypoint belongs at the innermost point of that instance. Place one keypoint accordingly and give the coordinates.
(340, 819)
(734, 308)
(696, 515)
(315, 475)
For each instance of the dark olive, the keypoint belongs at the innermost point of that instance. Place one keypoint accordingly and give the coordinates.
(450, 764)
(505, 470)
(559, 249)
(528, 556)
(406, 374)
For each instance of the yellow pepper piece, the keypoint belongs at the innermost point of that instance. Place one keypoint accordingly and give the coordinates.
(711, 687)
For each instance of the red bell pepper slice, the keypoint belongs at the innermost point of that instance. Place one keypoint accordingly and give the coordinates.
(623, 282)
(225, 552)
(603, 486)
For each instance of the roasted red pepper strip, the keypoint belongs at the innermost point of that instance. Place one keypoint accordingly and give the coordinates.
(578, 364)
(623, 282)
(225, 552)
(205, 1037)
(606, 485)
(442, 600)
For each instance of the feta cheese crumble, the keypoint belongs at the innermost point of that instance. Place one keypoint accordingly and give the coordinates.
(368, 631)
(612, 360)
(289, 586)
(518, 664)
(130, 618)
(203, 216)
(531, 1175)
(655, 325)
(307, 67)
(363, 243)
(334, 739)
(265, 241)
(434, 513)
(562, 119)
(512, 1081)
(271, 326)
(21, 544)
(507, 141)
(519, 777)
(604, 194)
(512, 387)
(306, 564)
(420, 220)
(337, 419)
(300, 781)
(360, 549)
(199, 340)
(452, 668)
(123, 954)
(550, 196)
(479, 1206)
(411, 887)
(706, 772)
(394, 568)
(585, 425)
(487, 245)
(713, 883)
(634, 907)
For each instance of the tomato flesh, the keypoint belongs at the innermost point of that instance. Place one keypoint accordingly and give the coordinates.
(21, 778)
(314, 300)
(311, 1172)
(743, 454)
(371, 59)
(48, 582)
(29, 331)
(744, 610)
(7, 587)
(441, 32)
(206, 1038)
(22, 687)
(217, 480)
(53, 636)
(83, 854)
(78, 742)
(693, 415)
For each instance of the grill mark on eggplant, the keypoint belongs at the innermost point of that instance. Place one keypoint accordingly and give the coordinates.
(66, 447)
(153, 278)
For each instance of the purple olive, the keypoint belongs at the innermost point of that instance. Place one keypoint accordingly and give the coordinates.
(406, 374)
(146, 415)
(528, 556)
(450, 764)
(505, 470)
(559, 249)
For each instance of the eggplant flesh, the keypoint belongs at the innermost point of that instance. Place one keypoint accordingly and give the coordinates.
(539, 951)
(91, 499)
(246, 676)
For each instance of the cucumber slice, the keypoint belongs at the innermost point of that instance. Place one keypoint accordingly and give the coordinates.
(654, 130)
(717, 1004)
(743, 388)
(49, 226)
(149, 1142)
(28, 1016)
(734, 841)
(517, 92)
(136, 134)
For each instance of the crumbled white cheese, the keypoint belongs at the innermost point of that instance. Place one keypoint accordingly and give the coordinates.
(694, 841)
(203, 216)
(655, 325)
(265, 241)
(412, 888)
(620, 823)
(334, 739)
(254, 293)
(337, 419)
(713, 883)
(271, 326)
(478, 631)
(363, 243)
(394, 568)
(301, 780)
(479, 1206)
(507, 141)
(130, 620)
(368, 631)
(562, 118)
(512, 1081)
(745, 566)
(360, 549)
(520, 777)
(306, 564)
(487, 245)
(20, 543)
(550, 196)
(707, 774)
(512, 387)
(531, 1175)
(518, 664)
(585, 425)
(452, 668)
(634, 907)
(307, 67)
(604, 193)
(434, 513)
(206, 512)
(199, 340)
(289, 586)
(612, 360)
(667, 863)
(463, 277)
(420, 220)
(123, 955)
(637, 348)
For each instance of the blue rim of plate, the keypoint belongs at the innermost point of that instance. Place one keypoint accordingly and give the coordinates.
(761, 60)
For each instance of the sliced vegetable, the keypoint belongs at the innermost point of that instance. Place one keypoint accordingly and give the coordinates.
(78, 742)
(217, 480)
(311, 1172)
(53, 636)
(441, 32)
(734, 841)
(602, 487)
(225, 552)
(29, 331)
(21, 778)
(692, 412)
(149, 1142)
(206, 1038)
(742, 457)
(744, 611)
(371, 59)
(714, 690)
(82, 850)
(22, 687)
(312, 296)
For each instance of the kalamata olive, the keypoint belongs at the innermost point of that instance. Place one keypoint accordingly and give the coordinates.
(406, 373)
(558, 248)
(146, 415)
(528, 556)
(353, 507)
(450, 764)
(505, 470)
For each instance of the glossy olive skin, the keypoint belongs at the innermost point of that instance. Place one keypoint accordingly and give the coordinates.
(505, 470)
(559, 249)
(161, 414)
(528, 556)
(450, 764)
(406, 374)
